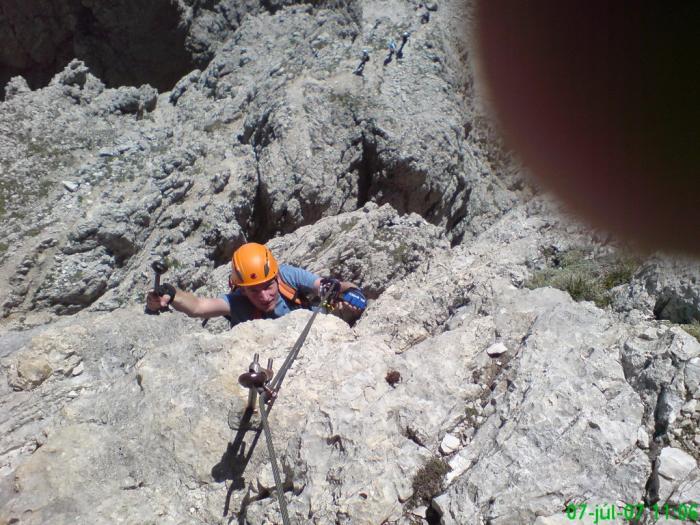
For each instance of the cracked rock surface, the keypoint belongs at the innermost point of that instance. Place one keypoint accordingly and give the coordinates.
(462, 395)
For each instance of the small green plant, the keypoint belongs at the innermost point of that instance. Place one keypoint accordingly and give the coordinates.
(173, 263)
(581, 287)
(428, 481)
(692, 328)
(620, 272)
(585, 277)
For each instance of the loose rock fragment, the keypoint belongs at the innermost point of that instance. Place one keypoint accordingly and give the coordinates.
(449, 444)
(496, 349)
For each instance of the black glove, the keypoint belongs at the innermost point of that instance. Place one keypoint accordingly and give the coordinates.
(330, 288)
(166, 289)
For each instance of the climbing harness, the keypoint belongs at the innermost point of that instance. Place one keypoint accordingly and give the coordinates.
(262, 384)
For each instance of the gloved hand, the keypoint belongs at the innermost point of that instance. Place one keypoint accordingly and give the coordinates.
(158, 300)
(166, 289)
(330, 287)
(354, 297)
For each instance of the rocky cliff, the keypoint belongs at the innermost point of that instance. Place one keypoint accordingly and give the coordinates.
(511, 362)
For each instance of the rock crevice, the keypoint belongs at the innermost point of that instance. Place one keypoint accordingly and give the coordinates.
(471, 390)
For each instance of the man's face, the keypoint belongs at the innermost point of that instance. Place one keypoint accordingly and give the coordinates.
(263, 295)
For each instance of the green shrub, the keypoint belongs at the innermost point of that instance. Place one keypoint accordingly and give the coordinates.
(693, 329)
(428, 481)
(585, 277)
(173, 264)
(620, 271)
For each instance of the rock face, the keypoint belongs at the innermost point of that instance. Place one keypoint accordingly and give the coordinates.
(664, 288)
(124, 42)
(460, 396)
(273, 134)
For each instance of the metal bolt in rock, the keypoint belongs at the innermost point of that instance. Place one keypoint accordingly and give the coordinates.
(256, 380)
(404, 39)
(363, 60)
(392, 49)
(264, 382)
(159, 268)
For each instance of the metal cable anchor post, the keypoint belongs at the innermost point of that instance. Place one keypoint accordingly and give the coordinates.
(256, 380)
(364, 58)
(404, 39)
(391, 46)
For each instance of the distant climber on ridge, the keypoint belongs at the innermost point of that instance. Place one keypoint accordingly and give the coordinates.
(261, 289)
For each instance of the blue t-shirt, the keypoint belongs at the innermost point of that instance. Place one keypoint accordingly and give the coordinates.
(243, 310)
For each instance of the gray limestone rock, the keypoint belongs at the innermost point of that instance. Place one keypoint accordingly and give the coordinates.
(539, 448)
(678, 475)
(666, 288)
(372, 247)
(16, 86)
(692, 376)
(127, 100)
(674, 464)
(246, 151)
(552, 412)
(74, 74)
(460, 395)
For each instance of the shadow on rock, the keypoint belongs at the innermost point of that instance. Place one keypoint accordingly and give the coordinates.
(235, 459)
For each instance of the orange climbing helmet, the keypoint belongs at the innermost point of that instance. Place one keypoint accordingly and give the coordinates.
(252, 264)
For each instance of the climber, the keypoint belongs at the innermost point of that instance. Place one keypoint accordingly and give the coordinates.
(260, 288)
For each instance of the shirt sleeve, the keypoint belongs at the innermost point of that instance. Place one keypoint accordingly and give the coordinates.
(298, 278)
(241, 309)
